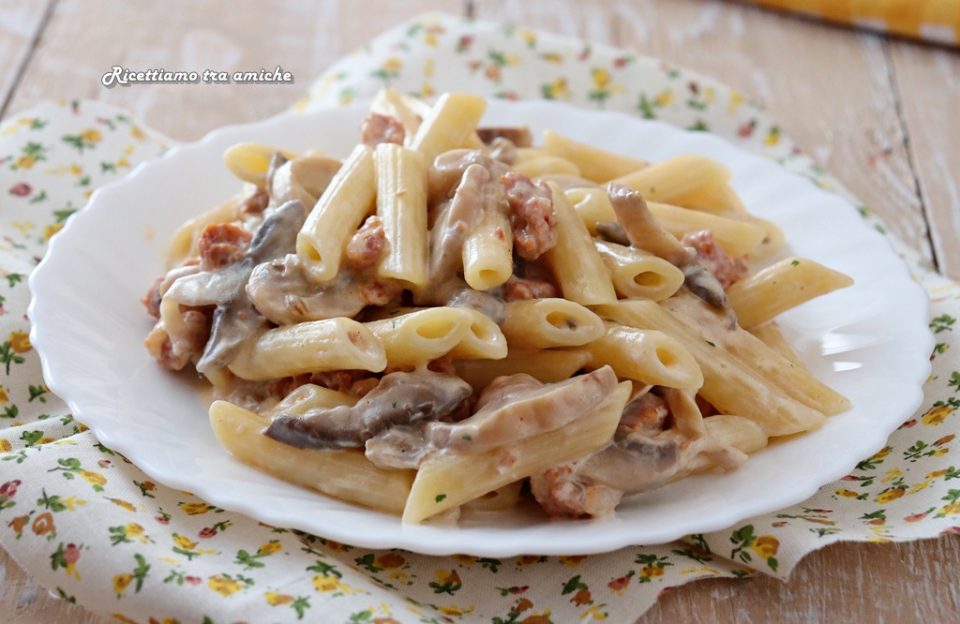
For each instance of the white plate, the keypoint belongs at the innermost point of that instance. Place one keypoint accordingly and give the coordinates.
(870, 342)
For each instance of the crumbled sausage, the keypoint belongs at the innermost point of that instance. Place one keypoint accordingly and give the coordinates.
(518, 288)
(377, 128)
(255, 203)
(367, 244)
(727, 270)
(221, 244)
(533, 219)
(646, 413)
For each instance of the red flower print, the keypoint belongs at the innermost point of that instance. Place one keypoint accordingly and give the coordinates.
(207, 532)
(694, 88)
(745, 131)
(162, 519)
(909, 423)
(522, 605)
(850, 478)
(619, 584)
(621, 62)
(917, 517)
(193, 580)
(584, 54)
(9, 489)
(780, 523)
(71, 554)
(104, 463)
(582, 597)
(464, 43)
(20, 189)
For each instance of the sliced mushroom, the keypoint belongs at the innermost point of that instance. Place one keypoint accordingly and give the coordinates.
(518, 135)
(518, 406)
(399, 399)
(281, 291)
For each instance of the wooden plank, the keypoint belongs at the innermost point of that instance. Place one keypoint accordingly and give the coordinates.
(20, 24)
(928, 81)
(24, 601)
(830, 88)
(301, 35)
(848, 582)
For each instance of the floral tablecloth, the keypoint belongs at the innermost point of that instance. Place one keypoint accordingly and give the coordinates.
(94, 529)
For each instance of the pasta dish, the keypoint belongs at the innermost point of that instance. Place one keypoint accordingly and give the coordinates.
(454, 318)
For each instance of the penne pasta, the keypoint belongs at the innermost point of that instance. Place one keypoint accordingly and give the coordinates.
(733, 432)
(524, 154)
(544, 323)
(417, 337)
(780, 287)
(327, 345)
(636, 273)
(737, 237)
(769, 334)
(488, 250)
(598, 165)
(337, 215)
(793, 379)
(346, 475)
(593, 205)
(728, 383)
(447, 480)
(250, 161)
(500, 499)
(308, 397)
(546, 165)
(548, 366)
(448, 125)
(644, 355)
(402, 208)
(483, 339)
(675, 178)
(576, 263)
(717, 198)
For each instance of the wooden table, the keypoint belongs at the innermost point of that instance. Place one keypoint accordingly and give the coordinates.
(880, 114)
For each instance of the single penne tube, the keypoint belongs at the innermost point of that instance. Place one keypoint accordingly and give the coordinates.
(483, 339)
(337, 214)
(780, 287)
(488, 250)
(314, 346)
(645, 355)
(250, 161)
(548, 366)
(593, 205)
(402, 208)
(545, 323)
(575, 261)
(596, 164)
(546, 165)
(769, 334)
(675, 178)
(307, 397)
(728, 383)
(447, 480)
(345, 475)
(793, 379)
(717, 198)
(417, 337)
(524, 154)
(636, 273)
(448, 124)
(183, 243)
(772, 242)
(737, 237)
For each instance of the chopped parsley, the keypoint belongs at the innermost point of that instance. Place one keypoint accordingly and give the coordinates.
(711, 343)
(439, 498)
(466, 437)
(795, 263)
